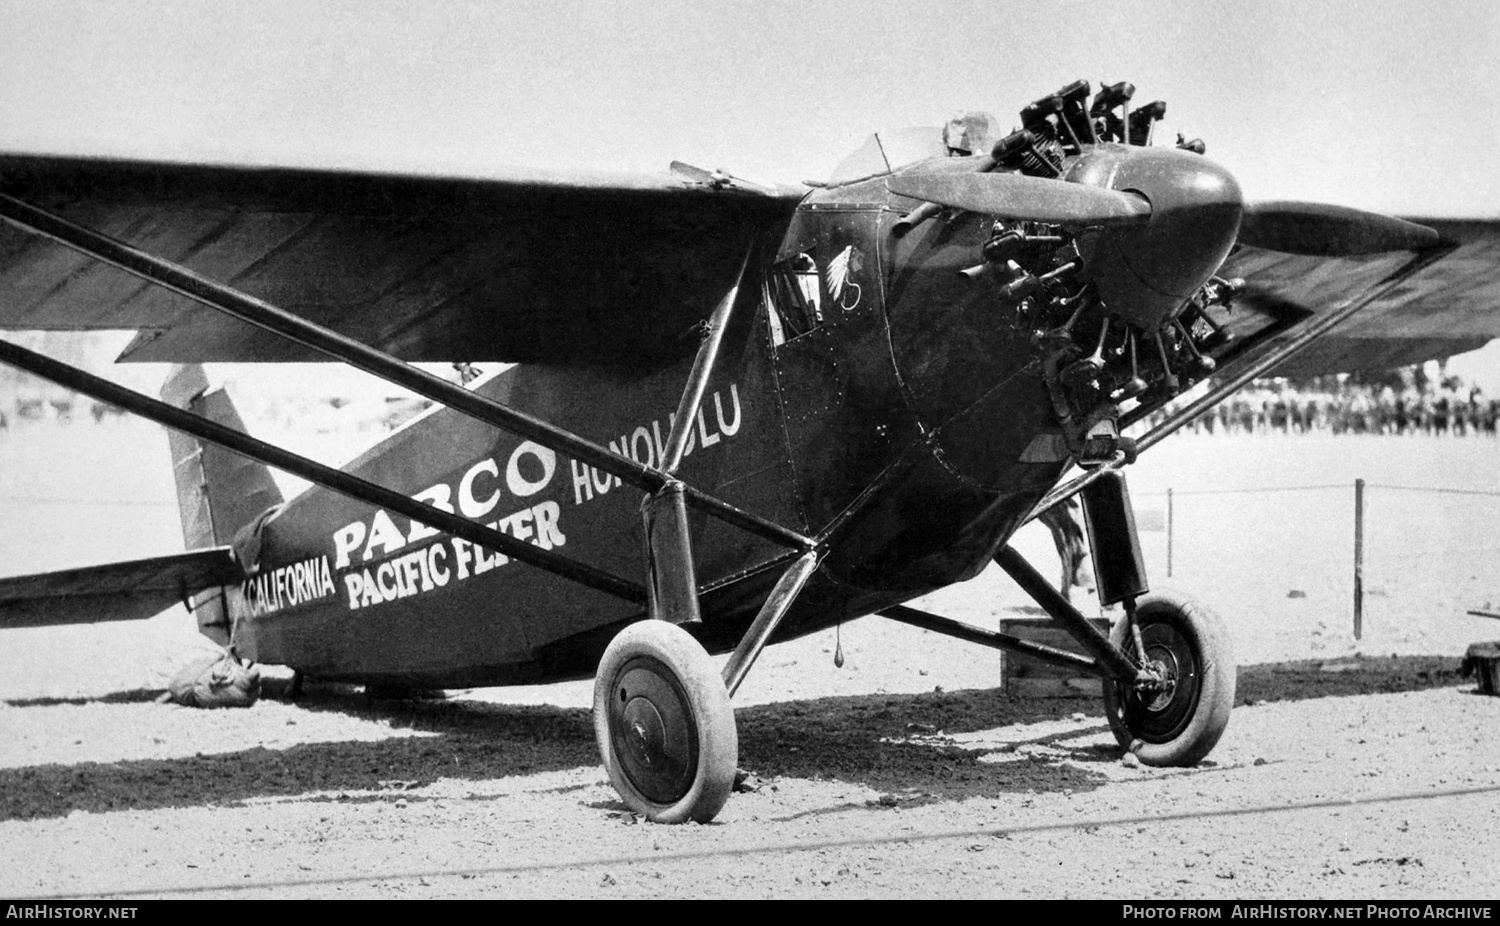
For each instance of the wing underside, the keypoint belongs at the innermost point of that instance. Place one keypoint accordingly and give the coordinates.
(612, 270)
(1448, 307)
(573, 269)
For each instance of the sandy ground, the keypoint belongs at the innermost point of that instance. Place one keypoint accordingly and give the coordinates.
(1359, 768)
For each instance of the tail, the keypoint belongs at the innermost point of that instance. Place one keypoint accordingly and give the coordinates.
(221, 496)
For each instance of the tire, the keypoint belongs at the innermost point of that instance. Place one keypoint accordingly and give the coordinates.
(1180, 726)
(664, 724)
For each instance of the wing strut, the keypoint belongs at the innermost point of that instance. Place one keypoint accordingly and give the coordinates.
(337, 480)
(1291, 342)
(671, 575)
(230, 301)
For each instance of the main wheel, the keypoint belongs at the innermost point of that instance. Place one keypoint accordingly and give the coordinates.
(1179, 721)
(664, 724)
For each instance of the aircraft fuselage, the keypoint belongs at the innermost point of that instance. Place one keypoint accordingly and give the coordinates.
(867, 394)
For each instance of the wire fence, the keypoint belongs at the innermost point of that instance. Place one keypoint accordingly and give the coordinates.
(1398, 557)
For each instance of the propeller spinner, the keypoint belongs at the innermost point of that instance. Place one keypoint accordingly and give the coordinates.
(1147, 271)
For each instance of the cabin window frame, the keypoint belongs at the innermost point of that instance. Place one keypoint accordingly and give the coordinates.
(803, 294)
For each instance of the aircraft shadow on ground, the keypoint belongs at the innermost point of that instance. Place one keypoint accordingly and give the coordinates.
(893, 744)
(128, 696)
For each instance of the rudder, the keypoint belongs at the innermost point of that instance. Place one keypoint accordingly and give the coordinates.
(219, 492)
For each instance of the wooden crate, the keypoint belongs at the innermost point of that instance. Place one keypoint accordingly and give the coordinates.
(1483, 659)
(1026, 676)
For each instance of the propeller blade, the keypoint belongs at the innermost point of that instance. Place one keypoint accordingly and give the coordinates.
(1017, 196)
(1321, 230)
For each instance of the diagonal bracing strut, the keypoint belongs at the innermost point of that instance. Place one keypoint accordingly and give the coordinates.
(1283, 344)
(335, 479)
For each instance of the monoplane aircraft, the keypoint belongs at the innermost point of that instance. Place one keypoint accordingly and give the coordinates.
(730, 413)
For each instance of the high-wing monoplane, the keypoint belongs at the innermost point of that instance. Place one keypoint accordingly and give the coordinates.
(730, 414)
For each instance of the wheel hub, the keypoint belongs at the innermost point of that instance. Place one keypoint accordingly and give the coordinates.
(655, 740)
(1162, 702)
(647, 734)
(1160, 685)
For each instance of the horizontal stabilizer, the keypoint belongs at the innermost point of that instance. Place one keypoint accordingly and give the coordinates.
(133, 590)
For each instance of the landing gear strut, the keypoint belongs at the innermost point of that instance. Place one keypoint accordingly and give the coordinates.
(1168, 671)
(664, 724)
(662, 716)
(1176, 711)
(1174, 707)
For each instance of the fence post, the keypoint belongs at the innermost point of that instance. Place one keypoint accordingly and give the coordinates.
(1169, 533)
(1359, 558)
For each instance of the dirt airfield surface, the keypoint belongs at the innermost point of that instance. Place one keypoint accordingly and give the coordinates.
(1364, 769)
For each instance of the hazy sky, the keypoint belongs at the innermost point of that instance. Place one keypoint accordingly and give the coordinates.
(1390, 105)
(1387, 105)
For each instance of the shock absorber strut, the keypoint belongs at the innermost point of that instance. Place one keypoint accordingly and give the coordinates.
(1119, 568)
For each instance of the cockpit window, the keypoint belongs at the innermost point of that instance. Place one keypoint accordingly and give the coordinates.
(827, 273)
(803, 296)
(795, 297)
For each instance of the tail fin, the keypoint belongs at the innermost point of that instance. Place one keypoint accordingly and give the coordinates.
(219, 493)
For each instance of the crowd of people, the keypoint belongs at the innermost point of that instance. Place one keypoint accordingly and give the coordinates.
(1412, 400)
(1402, 403)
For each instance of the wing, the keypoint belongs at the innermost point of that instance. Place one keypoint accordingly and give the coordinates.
(1447, 308)
(612, 269)
(126, 591)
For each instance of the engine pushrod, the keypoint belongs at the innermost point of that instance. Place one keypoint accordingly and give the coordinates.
(339, 481)
(247, 308)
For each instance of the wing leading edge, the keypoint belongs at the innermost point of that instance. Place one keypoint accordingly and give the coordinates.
(562, 269)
